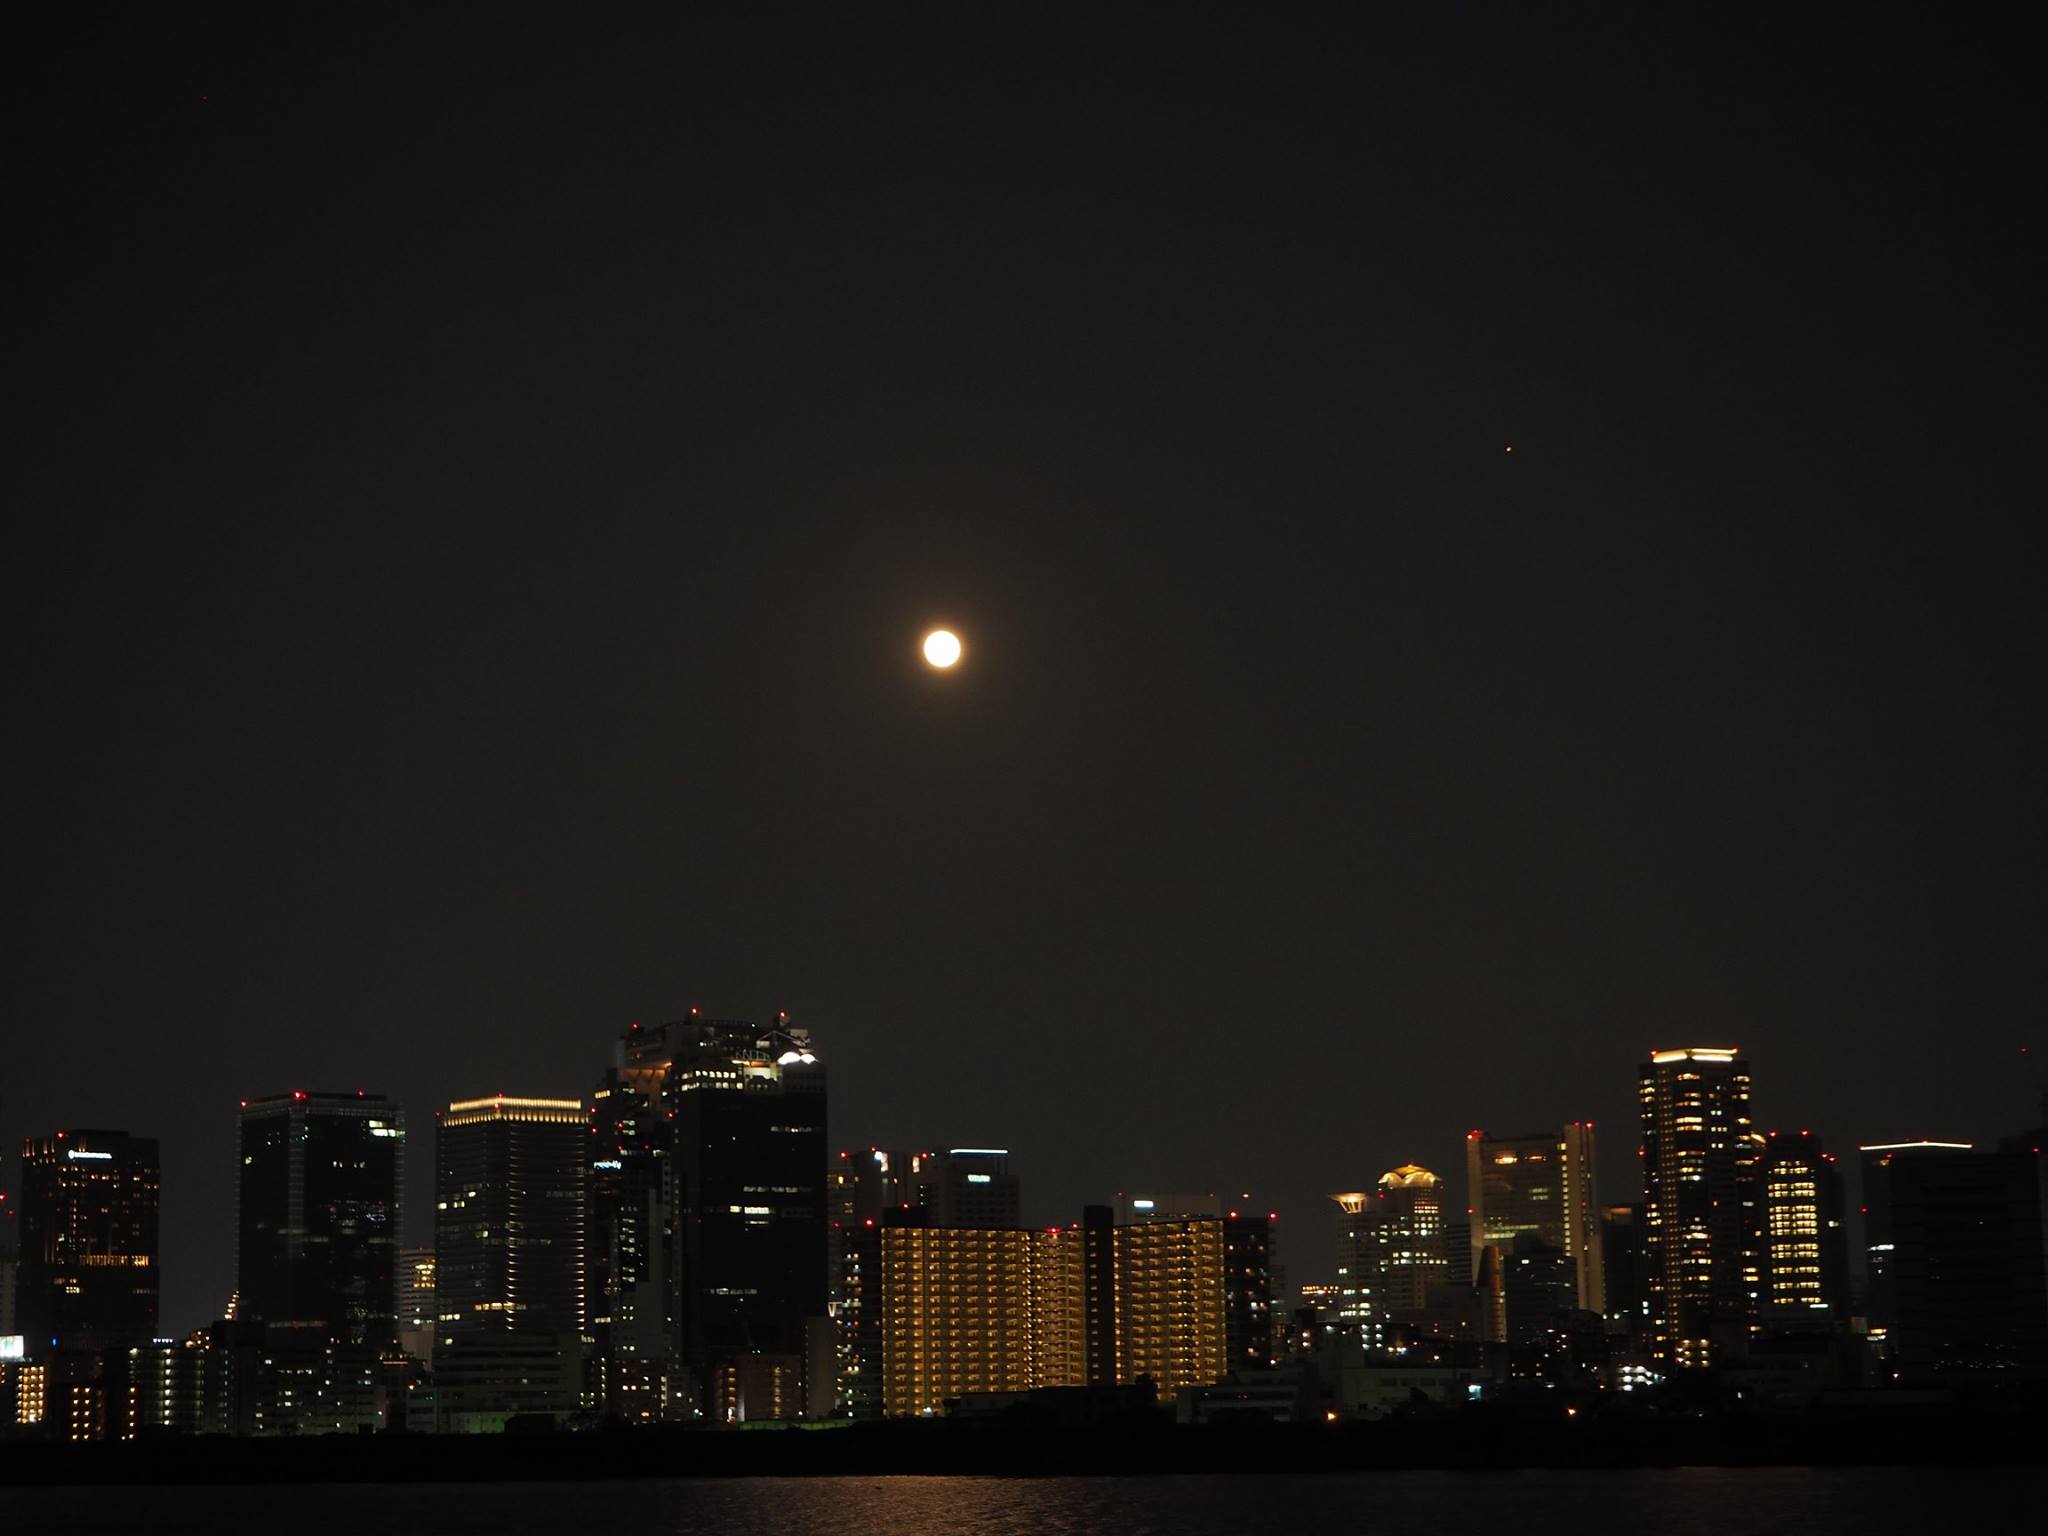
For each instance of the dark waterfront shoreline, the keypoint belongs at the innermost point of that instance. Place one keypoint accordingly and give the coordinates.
(943, 1449)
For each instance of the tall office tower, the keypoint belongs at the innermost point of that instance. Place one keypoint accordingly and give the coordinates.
(1170, 1313)
(318, 1231)
(1958, 1266)
(1541, 1184)
(1806, 1257)
(1702, 1203)
(510, 1192)
(1358, 1311)
(974, 1187)
(629, 1268)
(1413, 1262)
(88, 1273)
(747, 1178)
(416, 1307)
(1248, 1289)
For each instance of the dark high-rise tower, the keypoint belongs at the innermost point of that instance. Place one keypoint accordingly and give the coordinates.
(317, 1230)
(509, 1217)
(627, 1273)
(1248, 1289)
(510, 1183)
(1958, 1260)
(88, 1275)
(745, 1110)
(1702, 1202)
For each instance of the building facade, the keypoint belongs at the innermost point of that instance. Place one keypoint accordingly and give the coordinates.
(1806, 1255)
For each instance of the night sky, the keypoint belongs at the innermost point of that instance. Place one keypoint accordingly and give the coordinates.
(481, 478)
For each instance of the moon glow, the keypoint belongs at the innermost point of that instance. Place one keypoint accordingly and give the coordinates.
(942, 648)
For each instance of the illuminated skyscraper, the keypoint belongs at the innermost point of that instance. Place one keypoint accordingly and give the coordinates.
(1358, 1309)
(1806, 1259)
(1413, 1261)
(974, 1309)
(89, 1272)
(1171, 1321)
(1702, 1202)
(321, 1175)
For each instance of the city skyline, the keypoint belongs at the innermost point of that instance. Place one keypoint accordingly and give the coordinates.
(684, 1250)
(1485, 540)
(1301, 1245)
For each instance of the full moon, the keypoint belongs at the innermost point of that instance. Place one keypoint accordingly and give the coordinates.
(942, 648)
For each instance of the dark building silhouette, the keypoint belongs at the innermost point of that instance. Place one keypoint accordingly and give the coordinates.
(89, 1274)
(318, 1227)
(1539, 1287)
(746, 1189)
(1248, 1289)
(1621, 1247)
(1702, 1204)
(974, 1187)
(1958, 1269)
(509, 1216)
(510, 1182)
(1806, 1254)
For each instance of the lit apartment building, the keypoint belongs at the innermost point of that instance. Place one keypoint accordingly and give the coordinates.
(1702, 1202)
